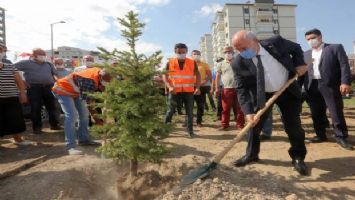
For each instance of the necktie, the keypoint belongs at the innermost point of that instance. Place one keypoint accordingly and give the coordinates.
(260, 84)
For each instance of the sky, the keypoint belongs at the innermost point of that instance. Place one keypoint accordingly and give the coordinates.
(93, 23)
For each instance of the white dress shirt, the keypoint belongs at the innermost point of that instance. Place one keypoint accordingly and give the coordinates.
(276, 75)
(316, 56)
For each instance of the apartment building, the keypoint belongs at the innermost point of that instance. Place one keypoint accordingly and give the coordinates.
(263, 17)
(206, 49)
(2, 26)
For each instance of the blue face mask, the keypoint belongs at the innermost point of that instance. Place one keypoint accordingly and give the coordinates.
(248, 53)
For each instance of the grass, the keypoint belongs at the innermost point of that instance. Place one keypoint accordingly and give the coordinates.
(349, 102)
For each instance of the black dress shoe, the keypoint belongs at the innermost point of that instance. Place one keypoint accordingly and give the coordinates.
(344, 143)
(264, 137)
(245, 160)
(300, 166)
(316, 139)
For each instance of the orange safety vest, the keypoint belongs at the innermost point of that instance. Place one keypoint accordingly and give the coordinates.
(66, 86)
(182, 80)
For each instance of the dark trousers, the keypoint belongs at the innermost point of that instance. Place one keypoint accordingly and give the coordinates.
(290, 114)
(219, 103)
(188, 100)
(201, 102)
(210, 99)
(322, 97)
(38, 96)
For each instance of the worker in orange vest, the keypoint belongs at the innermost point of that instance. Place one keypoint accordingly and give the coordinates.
(71, 92)
(183, 82)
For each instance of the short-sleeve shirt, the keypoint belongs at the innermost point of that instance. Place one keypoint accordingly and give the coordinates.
(35, 73)
(8, 86)
(203, 69)
(227, 75)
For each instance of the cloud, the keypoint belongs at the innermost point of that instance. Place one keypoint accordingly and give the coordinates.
(89, 23)
(209, 9)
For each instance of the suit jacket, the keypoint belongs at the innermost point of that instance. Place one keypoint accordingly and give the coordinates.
(288, 53)
(334, 66)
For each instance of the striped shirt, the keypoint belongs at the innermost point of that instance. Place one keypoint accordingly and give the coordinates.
(8, 86)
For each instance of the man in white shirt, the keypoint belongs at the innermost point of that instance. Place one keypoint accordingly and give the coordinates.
(329, 78)
(261, 69)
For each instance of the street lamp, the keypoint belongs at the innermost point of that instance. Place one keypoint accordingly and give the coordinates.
(52, 50)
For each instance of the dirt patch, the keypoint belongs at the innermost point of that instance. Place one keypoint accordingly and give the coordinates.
(146, 185)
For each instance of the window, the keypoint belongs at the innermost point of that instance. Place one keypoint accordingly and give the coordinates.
(226, 35)
(264, 20)
(276, 21)
(264, 9)
(246, 21)
(276, 32)
(246, 10)
(274, 11)
(226, 24)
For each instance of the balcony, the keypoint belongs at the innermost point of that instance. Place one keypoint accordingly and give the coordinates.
(262, 13)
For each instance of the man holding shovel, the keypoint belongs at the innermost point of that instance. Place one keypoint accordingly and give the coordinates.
(261, 69)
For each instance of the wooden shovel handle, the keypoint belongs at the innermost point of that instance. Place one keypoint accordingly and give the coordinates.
(250, 125)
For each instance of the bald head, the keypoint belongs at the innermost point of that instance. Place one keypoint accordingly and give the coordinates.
(39, 55)
(246, 43)
(243, 40)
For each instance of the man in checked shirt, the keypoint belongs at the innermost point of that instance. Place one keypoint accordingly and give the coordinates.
(71, 94)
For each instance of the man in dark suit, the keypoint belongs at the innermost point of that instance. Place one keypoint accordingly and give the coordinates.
(328, 78)
(261, 69)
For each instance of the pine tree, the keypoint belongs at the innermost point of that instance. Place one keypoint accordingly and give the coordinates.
(133, 106)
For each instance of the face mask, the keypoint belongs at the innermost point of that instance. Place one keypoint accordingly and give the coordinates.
(89, 63)
(41, 58)
(313, 43)
(104, 83)
(248, 54)
(197, 57)
(181, 56)
(228, 56)
(59, 66)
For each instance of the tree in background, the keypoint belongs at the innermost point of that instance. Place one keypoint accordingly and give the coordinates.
(132, 104)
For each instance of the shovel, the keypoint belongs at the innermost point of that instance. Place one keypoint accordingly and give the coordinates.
(204, 171)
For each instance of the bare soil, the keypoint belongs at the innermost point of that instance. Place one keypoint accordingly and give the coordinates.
(45, 171)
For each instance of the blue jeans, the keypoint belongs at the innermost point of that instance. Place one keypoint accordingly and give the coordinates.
(74, 109)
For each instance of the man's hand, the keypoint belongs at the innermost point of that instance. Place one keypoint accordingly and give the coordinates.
(253, 119)
(171, 90)
(212, 90)
(197, 91)
(203, 83)
(345, 89)
(216, 91)
(301, 70)
(23, 98)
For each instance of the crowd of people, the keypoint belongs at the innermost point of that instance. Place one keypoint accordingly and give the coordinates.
(51, 85)
(244, 82)
(241, 82)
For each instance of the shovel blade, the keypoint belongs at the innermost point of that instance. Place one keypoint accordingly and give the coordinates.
(199, 173)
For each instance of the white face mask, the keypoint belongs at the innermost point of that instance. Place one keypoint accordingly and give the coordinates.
(2, 55)
(59, 66)
(196, 57)
(41, 58)
(104, 83)
(181, 56)
(228, 56)
(89, 63)
(314, 43)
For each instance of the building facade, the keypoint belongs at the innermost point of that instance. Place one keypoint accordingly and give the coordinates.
(207, 49)
(263, 17)
(2, 26)
(74, 55)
